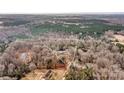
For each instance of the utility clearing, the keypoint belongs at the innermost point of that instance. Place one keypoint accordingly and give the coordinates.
(45, 74)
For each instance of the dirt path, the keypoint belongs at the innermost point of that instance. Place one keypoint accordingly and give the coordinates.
(37, 74)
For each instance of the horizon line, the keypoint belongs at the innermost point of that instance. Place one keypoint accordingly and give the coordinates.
(62, 13)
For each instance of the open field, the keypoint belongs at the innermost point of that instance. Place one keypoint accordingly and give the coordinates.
(28, 26)
(120, 38)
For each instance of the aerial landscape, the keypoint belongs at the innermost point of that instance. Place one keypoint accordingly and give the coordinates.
(62, 47)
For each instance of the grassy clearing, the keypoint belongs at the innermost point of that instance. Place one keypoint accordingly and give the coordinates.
(21, 36)
(94, 28)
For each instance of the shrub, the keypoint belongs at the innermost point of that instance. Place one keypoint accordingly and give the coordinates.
(11, 68)
(2, 68)
(80, 74)
(121, 47)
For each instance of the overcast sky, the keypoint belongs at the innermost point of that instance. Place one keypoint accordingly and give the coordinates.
(60, 6)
